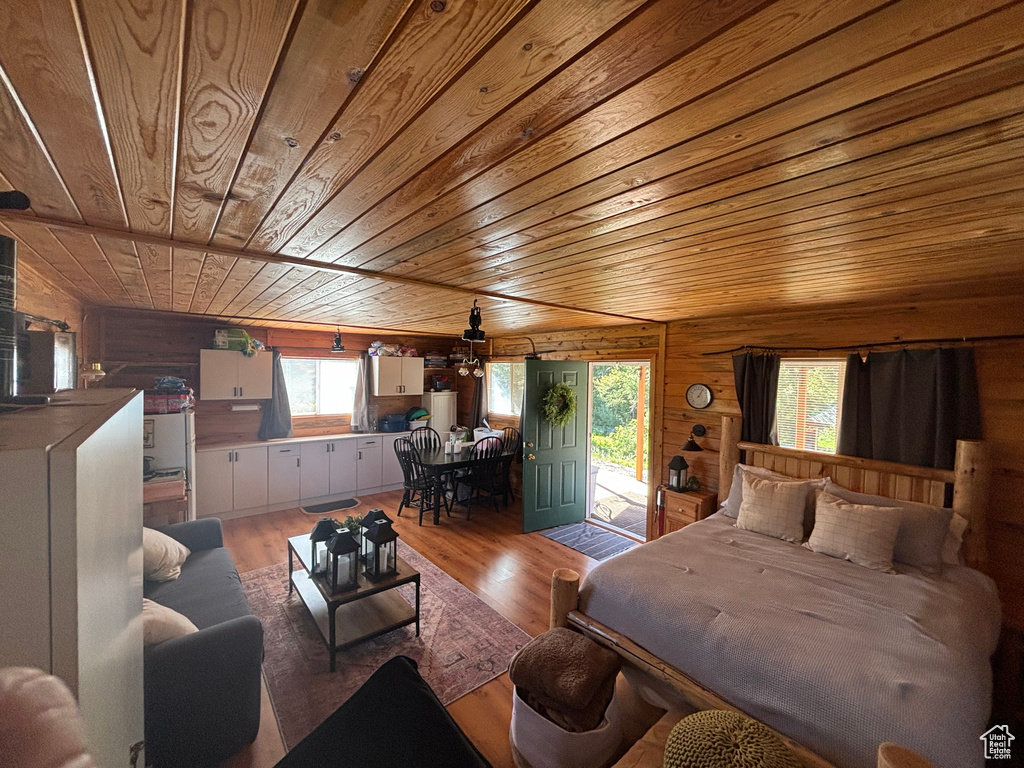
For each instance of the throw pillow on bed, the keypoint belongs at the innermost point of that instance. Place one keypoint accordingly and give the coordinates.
(162, 556)
(773, 507)
(861, 533)
(923, 528)
(160, 623)
(731, 506)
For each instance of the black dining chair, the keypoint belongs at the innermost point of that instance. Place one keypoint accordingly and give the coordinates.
(425, 438)
(511, 443)
(485, 473)
(418, 486)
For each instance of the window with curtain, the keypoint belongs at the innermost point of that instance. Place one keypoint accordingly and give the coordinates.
(808, 403)
(505, 382)
(318, 387)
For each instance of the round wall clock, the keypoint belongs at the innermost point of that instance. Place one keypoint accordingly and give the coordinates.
(699, 395)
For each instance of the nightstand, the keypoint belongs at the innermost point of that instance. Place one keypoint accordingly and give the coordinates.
(683, 508)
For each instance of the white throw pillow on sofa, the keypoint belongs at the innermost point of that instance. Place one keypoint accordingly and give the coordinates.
(162, 556)
(160, 623)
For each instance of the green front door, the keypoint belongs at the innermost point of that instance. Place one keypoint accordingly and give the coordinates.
(554, 458)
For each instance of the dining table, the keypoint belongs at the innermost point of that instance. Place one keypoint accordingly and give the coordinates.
(438, 463)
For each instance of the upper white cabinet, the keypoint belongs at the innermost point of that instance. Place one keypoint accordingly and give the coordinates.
(397, 376)
(225, 374)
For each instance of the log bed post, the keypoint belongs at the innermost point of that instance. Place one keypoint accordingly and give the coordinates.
(729, 454)
(969, 495)
(565, 590)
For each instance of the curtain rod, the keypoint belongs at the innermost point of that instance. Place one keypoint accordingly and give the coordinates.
(955, 340)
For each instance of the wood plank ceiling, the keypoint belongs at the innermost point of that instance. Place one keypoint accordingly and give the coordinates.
(570, 163)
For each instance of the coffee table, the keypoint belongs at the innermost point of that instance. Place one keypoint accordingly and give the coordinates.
(349, 617)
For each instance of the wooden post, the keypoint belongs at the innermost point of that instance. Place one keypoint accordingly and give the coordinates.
(969, 492)
(640, 406)
(565, 589)
(729, 455)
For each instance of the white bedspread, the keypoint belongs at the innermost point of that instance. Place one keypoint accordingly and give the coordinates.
(836, 656)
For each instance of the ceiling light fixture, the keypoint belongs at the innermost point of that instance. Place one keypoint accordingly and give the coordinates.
(337, 346)
(473, 333)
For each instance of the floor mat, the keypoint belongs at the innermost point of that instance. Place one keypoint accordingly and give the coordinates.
(591, 540)
(330, 506)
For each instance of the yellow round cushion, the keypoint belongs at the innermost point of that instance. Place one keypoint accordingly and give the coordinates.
(719, 739)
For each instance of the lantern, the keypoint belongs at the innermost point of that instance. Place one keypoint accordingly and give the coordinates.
(322, 531)
(383, 558)
(677, 473)
(371, 517)
(343, 562)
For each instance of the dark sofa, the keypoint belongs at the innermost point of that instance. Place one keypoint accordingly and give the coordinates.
(202, 691)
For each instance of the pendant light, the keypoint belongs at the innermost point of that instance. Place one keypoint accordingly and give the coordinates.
(472, 334)
(337, 346)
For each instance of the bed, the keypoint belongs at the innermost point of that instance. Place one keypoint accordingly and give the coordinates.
(836, 657)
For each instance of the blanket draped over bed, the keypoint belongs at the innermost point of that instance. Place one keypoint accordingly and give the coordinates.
(834, 655)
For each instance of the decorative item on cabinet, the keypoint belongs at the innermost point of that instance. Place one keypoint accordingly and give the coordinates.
(677, 473)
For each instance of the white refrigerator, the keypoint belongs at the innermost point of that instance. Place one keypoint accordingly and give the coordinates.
(443, 408)
(170, 443)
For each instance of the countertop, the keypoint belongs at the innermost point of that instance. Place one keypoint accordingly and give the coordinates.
(291, 440)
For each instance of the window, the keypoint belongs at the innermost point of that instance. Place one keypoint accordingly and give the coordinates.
(808, 404)
(320, 387)
(505, 388)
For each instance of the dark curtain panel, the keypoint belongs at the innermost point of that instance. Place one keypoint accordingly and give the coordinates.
(277, 413)
(757, 384)
(478, 409)
(910, 406)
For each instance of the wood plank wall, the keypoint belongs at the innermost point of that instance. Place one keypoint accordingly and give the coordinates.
(157, 344)
(1000, 378)
(36, 295)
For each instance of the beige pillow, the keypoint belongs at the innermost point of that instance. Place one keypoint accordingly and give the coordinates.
(773, 507)
(162, 556)
(160, 623)
(861, 533)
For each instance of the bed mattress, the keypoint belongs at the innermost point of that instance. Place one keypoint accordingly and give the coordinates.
(834, 655)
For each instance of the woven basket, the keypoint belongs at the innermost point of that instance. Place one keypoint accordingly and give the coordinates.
(719, 739)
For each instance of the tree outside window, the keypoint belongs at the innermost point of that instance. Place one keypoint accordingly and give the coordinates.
(320, 387)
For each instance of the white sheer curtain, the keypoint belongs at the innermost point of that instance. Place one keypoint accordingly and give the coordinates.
(361, 404)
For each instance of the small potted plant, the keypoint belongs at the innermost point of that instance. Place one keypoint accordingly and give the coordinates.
(351, 525)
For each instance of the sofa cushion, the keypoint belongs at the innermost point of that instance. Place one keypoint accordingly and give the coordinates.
(208, 591)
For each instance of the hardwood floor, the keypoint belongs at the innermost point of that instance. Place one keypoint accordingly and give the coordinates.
(508, 570)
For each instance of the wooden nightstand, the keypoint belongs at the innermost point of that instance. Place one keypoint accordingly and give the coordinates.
(687, 507)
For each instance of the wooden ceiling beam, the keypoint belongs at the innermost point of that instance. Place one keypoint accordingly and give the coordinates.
(279, 259)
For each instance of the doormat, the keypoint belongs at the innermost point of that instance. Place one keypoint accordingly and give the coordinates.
(330, 506)
(591, 540)
(463, 644)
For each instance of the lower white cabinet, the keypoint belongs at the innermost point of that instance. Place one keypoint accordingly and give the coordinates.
(368, 461)
(391, 471)
(344, 457)
(283, 468)
(315, 473)
(230, 479)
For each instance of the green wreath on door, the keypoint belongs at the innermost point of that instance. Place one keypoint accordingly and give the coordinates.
(559, 404)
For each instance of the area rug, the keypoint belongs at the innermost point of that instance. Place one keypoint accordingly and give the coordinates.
(593, 541)
(330, 506)
(463, 644)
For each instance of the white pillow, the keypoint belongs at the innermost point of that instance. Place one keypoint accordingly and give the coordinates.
(160, 623)
(162, 556)
(923, 528)
(731, 506)
(861, 533)
(951, 554)
(773, 507)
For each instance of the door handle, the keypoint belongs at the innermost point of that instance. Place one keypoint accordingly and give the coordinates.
(230, 457)
(359, 455)
(298, 462)
(241, 392)
(234, 391)
(529, 445)
(530, 457)
(236, 455)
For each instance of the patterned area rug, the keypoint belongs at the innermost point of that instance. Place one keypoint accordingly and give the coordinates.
(591, 540)
(463, 644)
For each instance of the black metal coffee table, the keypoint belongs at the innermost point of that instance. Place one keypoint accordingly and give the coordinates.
(347, 618)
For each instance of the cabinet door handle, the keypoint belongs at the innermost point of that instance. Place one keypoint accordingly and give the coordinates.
(236, 455)
(240, 391)
(234, 391)
(231, 457)
(298, 462)
(359, 455)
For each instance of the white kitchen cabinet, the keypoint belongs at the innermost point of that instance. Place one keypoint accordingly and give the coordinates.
(344, 460)
(71, 560)
(397, 376)
(225, 374)
(315, 473)
(230, 479)
(391, 471)
(283, 469)
(369, 457)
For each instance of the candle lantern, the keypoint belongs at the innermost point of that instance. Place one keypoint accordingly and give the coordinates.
(383, 559)
(343, 562)
(371, 518)
(677, 473)
(322, 531)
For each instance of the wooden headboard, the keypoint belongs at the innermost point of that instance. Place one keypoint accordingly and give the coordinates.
(882, 478)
